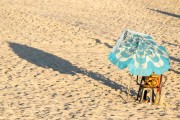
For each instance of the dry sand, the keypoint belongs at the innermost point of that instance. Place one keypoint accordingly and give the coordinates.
(53, 59)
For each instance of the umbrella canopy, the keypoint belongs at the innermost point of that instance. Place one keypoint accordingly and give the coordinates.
(140, 54)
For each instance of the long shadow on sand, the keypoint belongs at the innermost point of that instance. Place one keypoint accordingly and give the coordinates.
(105, 44)
(165, 13)
(176, 45)
(47, 60)
(176, 60)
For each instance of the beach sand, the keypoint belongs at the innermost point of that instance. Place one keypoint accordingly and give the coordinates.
(54, 59)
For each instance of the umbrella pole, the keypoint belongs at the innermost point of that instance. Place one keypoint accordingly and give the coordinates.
(129, 87)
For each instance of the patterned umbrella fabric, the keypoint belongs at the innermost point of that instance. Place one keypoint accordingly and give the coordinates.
(140, 54)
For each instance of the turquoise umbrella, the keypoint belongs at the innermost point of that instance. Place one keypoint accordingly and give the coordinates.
(140, 54)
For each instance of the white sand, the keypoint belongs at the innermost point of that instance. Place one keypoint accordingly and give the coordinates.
(53, 58)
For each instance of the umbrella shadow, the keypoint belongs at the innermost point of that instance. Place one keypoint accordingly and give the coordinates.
(165, 13)
(47, 60)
